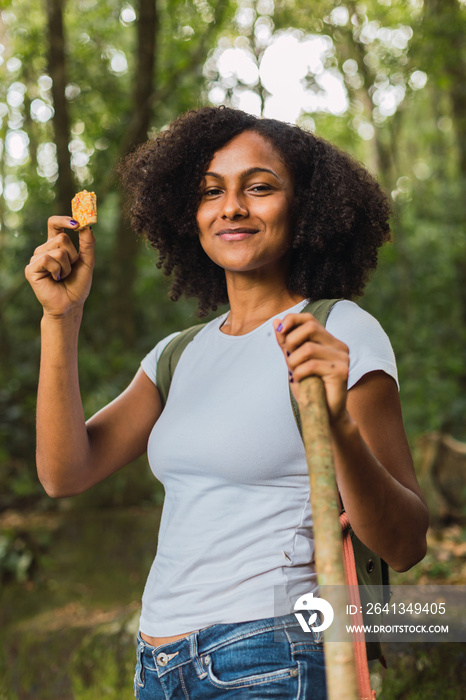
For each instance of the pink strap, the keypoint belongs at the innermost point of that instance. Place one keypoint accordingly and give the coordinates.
(359, 641)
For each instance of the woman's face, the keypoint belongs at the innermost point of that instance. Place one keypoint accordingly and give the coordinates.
(244, 214)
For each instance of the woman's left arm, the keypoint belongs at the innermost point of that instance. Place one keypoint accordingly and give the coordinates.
(373, 464)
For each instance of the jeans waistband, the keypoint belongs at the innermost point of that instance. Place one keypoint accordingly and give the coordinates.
(168, 656)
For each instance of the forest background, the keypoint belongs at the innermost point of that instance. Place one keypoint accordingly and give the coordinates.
(82, 83)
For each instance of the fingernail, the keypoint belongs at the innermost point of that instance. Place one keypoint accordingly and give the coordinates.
(73, 222)
(280, 327)
(58, 277)
(290, 372)
(291, 379)
(287, 353)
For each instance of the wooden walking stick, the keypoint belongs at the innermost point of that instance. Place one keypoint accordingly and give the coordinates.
(339, 655)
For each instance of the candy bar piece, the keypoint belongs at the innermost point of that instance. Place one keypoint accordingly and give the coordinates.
(84, 208)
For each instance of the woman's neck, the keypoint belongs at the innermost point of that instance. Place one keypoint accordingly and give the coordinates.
(251, 304)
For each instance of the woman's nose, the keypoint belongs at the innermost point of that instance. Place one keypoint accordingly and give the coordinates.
(234, 206)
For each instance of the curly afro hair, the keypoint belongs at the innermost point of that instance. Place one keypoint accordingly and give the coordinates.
(340, 214)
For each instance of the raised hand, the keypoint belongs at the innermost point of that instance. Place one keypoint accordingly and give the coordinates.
(59, 274)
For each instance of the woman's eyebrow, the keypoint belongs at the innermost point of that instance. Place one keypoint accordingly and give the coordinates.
(246, 173)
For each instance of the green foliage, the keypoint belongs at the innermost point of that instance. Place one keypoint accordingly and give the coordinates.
(15, 557)
(100, 48)
(102, 665)
(419, 291)
(416, 295)
(427, 671)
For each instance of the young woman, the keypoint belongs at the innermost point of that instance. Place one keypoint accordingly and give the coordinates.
(267, 217)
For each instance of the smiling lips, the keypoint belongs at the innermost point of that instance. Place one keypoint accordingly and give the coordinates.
(236, 234)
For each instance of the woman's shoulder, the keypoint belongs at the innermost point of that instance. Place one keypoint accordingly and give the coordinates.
(150, 361)
(368, 343)
(348, 315)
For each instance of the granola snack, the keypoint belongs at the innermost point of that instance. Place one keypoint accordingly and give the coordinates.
(84, 208)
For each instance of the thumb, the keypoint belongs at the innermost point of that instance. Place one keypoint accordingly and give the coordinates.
(87, 246)
(280, 334)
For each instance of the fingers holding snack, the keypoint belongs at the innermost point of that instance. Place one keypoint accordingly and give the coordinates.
(60, 224)
(58, 261)
(57, 239)
(60, 247)
(43, 265)
(55, 261)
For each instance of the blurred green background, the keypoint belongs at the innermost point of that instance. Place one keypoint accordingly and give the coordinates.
(82, 83)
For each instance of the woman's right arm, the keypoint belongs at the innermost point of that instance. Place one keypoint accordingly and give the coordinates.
(73, 455)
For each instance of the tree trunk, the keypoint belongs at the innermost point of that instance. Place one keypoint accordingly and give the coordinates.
(61, 123)
(146, 97)
(382, 156)
(126, 244)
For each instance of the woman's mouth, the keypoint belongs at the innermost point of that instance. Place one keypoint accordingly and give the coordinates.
(236, 234)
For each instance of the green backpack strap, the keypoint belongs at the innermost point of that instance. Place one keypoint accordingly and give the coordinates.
(169, 358)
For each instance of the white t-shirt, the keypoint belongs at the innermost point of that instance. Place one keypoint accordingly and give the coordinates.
(235, 540)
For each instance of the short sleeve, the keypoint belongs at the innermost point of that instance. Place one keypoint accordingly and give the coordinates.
(149, 363)
(369, 346)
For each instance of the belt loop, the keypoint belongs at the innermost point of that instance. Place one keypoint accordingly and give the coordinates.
(139, 678)
(194, 653)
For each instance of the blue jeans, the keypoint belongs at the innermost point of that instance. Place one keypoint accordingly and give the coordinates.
(256, 660)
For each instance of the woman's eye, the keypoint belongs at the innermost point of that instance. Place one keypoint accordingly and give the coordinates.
(211, 192)
(261, 188)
